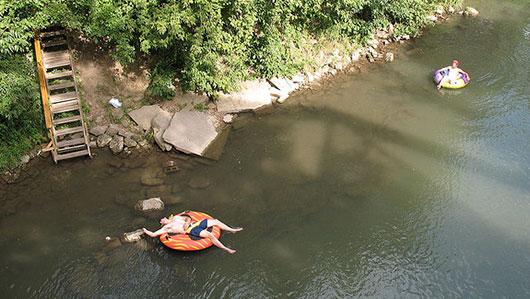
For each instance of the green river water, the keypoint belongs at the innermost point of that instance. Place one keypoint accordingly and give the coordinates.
(375, 185)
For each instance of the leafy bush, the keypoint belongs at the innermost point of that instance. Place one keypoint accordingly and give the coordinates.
(161, 85)
(20, 112)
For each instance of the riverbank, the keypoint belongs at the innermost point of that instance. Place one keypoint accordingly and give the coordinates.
(102, 81)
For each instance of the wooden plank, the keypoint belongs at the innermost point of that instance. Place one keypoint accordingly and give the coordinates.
(52, 33)
(63, 97)
(54, 43)
(62, 85)
(51, 76)
(71, 155)
(42, 84)
(65, 107)
(71, 142)
(68, 131)
(56, 54)
(66, 120)
(72, 148)
(55, 63)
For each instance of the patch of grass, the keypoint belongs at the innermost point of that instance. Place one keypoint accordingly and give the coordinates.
(201, 107)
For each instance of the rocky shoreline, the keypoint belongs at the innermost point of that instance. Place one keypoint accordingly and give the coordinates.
(201, 131)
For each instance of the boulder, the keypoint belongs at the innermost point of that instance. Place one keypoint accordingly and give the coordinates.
(150, 204)
(103, 140)
(159, 123)
(470, 12)
(132, 236)
(129, 142)
(251, 95)
(191, 131)
(99, 130)
(374, 43)
(144, 116)
(228, 118)
(432, 18)
(25, 159)
(356, 55)
(116, 144)
(112, 130)
(125, 133)
(389, 57)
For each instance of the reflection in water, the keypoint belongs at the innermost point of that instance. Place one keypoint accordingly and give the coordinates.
(377, 185)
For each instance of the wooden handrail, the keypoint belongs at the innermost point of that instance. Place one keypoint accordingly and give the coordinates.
(42, 83)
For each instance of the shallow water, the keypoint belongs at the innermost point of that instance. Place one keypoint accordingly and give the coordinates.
(376, 185)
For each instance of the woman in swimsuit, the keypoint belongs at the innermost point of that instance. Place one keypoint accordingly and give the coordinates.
(183, 225)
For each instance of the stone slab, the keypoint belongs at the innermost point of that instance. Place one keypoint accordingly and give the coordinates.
(191, 131)
(252, 95)
(144, 116)
(159, 124)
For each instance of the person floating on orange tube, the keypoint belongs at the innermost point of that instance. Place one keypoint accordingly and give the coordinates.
(183, 224)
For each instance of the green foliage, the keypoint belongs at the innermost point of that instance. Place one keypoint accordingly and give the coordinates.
(20, 112)
(211, 45)
(161, 85)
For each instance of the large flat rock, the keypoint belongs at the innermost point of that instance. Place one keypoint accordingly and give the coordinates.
(145, 115)
(191, 131)
(252, 95)
(160, 123)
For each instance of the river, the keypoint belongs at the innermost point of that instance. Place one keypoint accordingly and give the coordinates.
(373, 185)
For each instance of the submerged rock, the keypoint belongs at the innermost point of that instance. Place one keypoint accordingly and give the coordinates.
(150, 204)
(133, 236)
(151, 181)
(471, 12)
(199, 182)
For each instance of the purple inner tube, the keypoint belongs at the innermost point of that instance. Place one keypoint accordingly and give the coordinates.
(439, 74)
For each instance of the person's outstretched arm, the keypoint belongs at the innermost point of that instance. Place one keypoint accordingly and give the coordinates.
(156, 233)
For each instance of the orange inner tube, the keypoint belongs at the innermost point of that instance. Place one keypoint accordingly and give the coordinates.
(183, 242)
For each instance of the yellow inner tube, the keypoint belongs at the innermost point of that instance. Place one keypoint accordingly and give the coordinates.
(454, 84)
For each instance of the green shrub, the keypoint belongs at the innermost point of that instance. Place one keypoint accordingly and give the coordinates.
(161, 84)
(21, 123)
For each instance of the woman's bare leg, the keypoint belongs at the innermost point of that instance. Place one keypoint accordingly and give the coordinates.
(215, 241)
(222, 226)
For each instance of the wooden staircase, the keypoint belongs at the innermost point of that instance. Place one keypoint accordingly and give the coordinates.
(60, 99)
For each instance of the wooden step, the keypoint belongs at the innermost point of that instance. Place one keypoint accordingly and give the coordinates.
(51, 33)
(63, 97)
(59, 157)
(72, 148)
(68, 131)
(51, 76)
(53, 43)
(66, 120)
(61, 85)
(55, 63)
(71, 142)
(65, 107)
(56, 54)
